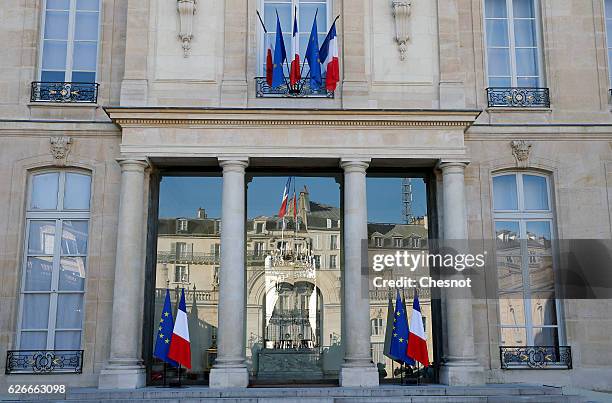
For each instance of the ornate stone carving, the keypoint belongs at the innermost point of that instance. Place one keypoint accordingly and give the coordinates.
(60, 147)
(521, 150)
(401, 15)
(186, 10)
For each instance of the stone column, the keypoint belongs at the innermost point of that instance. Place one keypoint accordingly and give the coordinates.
(230, 369)
(358, 368)
(460, 364)
(125, 369)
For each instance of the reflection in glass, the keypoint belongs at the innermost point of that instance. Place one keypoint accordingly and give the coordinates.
(72, 274)
(513, 336)
(67, 340)
(69, 311)
(41, 239)
(538, 237)
(33, 340)
(509, 273)
(74, 237)
(546, 336)
(511, 309)
(507, 237)
(536, 192)
(36, 311)
(38, 274)
(505, 196)
(541, 275)
(543, 309)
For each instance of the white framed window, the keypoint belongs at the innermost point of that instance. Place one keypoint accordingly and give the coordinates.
(513, 43)
(286, 9)
(608, 15)
(55, 260)
(378, 242)
(182, 225)
(397, 242)
(181, 274)
(333, 242)
(377, 326)
(333, 261)
(69, 41)
(524, 230)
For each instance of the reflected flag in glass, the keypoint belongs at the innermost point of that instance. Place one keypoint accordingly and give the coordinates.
(164, 332)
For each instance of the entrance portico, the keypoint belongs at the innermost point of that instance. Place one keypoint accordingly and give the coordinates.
(236, 140)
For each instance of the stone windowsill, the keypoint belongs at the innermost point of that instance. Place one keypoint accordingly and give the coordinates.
(64, 104)
(505, 109)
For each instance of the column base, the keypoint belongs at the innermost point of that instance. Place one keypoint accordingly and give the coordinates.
(229, 377)
(459, 374)
(359, 376)
(122, 377)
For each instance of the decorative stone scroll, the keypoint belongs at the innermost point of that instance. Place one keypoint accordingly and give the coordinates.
(401, 15)
(59, 148)
(186, 10)
(521, 150)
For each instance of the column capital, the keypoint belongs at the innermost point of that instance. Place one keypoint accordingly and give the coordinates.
(236, 164)
(453, 166)
(133, 164)
(355, 164)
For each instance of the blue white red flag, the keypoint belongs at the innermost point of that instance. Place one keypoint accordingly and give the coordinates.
(417, 340)
(295, 74)
(283, 208)
(180, 346)
(329, 56)
(280, 55)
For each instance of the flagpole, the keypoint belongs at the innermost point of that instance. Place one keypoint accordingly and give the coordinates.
(262, 23)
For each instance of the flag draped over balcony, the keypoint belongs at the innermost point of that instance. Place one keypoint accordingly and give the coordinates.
(417, 340)
(164, 332)
(180, 346)
(312, 56)
(329, 55)
(280, 55)
(399, 336)
(295, 74)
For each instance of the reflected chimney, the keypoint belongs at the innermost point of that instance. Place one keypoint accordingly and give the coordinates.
(201, 213)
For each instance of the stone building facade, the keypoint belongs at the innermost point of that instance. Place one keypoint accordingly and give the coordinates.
(434, 88)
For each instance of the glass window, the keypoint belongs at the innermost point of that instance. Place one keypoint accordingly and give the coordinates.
(512, 41)
(70, 41)
(523, 237)
(53, 286)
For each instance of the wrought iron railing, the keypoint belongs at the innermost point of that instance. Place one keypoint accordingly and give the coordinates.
(200, 295)
(536, 357)
(301, 89)
(42, 362)
(64, 92)
(518, 97)
(201, 258)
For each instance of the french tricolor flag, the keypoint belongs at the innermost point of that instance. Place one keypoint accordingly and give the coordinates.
(269, 60)
(417, 341)
(283, 208)
(329, 54)
(295, 73)
(180, 347)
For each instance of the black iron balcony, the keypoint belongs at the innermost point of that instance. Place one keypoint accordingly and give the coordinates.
(42, 362)
(536, 357)
(518, 97)
(301, 89)
(64, 92)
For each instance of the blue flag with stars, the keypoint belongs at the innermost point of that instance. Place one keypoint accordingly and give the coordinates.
(164, 333)
(399, 337)
(312, 56)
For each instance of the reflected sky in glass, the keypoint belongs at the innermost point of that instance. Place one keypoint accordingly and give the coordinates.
(181, 196)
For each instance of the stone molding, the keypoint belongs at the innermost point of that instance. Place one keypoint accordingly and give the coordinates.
(186, 9)
(401, 16)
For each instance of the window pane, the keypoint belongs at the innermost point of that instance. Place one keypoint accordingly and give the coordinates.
(67, 340)
(54, 55)
(509, 274)
(41, 240)
(541, 275)
(56, 25)
(546, 336)
(91, 5)
(44, 191)
(58, 4)
(495, 8)
(35, 311)
(513, 336)
(525, 33)
(500, 82)
(609, 8)
(284, 13)
(82, 77)
(85, 56)
(499, 62)
(512, 309)
(543, 309)
(38, 274)
(53, 76)
(497, 33)
(33, 341)
(306, 15)
(527, 62)
(74, 238)
(538, 237)
(69, 311)
(507, 237)
(504, 192)
(72, 274)
(76, 195)
(536, 192)
(527, 81)
(86, 26)
(523, 8)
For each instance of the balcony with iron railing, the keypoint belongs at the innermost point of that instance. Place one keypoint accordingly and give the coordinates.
(518, 97)
(301, 89)
(42, 362)
(535, 357)
(64, 92)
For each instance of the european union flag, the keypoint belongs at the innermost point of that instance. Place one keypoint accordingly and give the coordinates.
(399, 337)
(312, 55)
(280, 54)
(164, 332)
